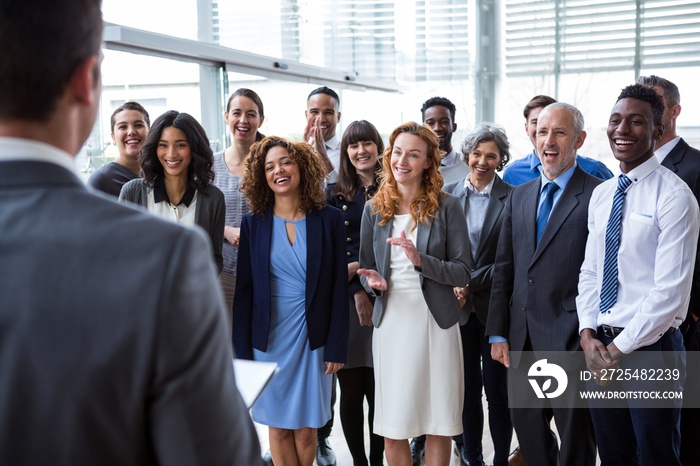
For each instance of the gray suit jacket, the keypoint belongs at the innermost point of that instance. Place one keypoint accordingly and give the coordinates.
(534, 289)
(444, 248)
(113, 344)
(485, 255)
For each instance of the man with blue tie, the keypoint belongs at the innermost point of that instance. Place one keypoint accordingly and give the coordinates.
(535, 278)
(634, 286)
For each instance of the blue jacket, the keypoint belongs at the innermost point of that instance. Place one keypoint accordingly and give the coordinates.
(326, 285)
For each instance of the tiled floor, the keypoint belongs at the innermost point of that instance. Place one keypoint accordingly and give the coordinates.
(337, 441)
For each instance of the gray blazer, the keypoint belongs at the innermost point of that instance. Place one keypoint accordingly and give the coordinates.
(485, 255)
(444, 249)
(210, 212)
(113, 335)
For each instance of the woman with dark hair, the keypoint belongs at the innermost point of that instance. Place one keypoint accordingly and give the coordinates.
(176, 162)
(412, 253)
(244, 115)
(290, 305)
(358, 173)
(483, 195)
(129, 123)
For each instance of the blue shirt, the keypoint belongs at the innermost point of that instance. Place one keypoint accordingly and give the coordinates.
(528, 168)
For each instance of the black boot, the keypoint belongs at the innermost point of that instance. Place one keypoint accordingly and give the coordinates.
(418, 450)
(325, 456)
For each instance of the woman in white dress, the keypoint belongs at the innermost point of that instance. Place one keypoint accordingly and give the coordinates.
(413, 249)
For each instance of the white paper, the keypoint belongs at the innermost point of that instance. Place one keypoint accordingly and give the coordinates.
(252, 377)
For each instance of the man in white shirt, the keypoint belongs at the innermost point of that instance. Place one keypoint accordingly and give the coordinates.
(676, 155)
(439, 114)
(322, 118)
(641, 309)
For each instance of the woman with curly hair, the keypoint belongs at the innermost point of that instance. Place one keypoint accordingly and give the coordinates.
(413, 251)
(176, 163)
(290, 304)
(357, 181)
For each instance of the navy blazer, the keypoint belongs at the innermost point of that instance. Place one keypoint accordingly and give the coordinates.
(326, 285)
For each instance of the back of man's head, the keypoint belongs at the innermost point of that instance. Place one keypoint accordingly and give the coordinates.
(671, 93)
(43, 41)
(442, 101)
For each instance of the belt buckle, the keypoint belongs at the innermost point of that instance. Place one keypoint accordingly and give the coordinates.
(608, 331)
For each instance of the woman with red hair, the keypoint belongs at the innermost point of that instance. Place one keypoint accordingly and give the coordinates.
(414, 249)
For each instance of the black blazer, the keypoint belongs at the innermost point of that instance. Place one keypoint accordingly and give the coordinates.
(352, 218)
(209, 213)
(684, 161)
(534, 289)
(326, 285)
(485, 255)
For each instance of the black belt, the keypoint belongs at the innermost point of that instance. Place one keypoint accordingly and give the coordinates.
(611, 332)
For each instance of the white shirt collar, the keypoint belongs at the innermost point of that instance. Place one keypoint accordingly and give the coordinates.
(450, 159)
(642, 171)
(29, 150)
(661, 152)
(334, 142)
(468, 186)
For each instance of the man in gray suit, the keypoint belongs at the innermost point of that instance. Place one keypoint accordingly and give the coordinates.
(113, 345)
(535, 277)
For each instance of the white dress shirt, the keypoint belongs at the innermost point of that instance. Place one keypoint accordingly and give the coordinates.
(333, 153)
(658, 242)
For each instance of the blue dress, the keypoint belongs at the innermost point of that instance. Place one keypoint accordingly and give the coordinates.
(299, 395)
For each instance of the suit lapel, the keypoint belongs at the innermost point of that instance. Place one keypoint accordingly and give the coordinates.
(675, 157)
(566, 203)
(314, 249)
(528, 209)
(422, 237)
(493, 212)
(423, 234)
(458, 191)
(262, 239)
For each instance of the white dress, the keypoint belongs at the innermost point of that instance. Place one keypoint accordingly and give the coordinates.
(418, 368)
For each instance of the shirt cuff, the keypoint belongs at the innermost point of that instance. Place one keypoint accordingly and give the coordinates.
(497, 339)
(587, 322)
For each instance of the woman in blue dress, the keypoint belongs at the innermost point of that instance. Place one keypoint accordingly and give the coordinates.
(290, 304)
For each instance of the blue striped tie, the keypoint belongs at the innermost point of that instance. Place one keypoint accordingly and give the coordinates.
(608, 292)
(545, 209)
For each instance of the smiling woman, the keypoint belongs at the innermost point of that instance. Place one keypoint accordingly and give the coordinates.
(177, 178)
(290, 305)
